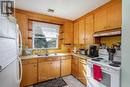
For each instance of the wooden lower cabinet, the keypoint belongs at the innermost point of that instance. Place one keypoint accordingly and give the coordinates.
(29, 75)
(75, 66)
(48, 70)
(65, 67)
(82, 71)
(79, 69)
(43, 69)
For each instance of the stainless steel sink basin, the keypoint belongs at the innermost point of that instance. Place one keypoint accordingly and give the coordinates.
(52, 54)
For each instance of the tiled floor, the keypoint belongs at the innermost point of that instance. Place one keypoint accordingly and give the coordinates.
(71, 82)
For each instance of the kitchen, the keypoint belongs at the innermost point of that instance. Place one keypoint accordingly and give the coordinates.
(79, 47)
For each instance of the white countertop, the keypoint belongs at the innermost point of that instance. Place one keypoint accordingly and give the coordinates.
(44, 56)
(57, 55)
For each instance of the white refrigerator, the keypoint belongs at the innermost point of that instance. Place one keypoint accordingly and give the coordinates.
(10, 63)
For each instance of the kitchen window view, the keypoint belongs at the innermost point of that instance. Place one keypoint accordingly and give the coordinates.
(45, 35)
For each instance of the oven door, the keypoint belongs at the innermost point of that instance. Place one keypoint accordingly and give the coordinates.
(106, 82)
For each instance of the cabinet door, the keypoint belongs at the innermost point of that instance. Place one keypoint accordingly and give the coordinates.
(82, 71)
(65, 67)
(44, 71)
(81, 31)
(76, 32)
(89, 30)
(75, 67)
(68, 33)
(115, 16)
(55, 69)
(100, 20)
(23, 25)
(29, 74)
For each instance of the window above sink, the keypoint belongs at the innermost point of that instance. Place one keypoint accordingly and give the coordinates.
(45, 35)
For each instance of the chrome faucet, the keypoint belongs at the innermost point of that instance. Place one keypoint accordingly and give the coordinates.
(46, 52)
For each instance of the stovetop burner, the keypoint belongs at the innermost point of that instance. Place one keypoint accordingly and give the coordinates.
(115, 65)
(116, 62)
(97, 59)
(100, 58)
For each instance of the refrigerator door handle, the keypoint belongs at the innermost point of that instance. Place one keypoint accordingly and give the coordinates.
(0, 67)
(20, 52)
(21, 70)
(20, 37)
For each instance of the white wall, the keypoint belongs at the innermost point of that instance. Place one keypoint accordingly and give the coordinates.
(126, 44)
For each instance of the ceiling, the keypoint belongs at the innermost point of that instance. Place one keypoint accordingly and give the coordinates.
(67, 9)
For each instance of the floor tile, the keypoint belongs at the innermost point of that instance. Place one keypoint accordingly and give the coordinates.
(72, 81)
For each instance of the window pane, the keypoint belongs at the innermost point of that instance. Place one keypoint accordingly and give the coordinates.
(45, 42)
(45, 35)
(40, 43)
(52, 42)
(45, 29)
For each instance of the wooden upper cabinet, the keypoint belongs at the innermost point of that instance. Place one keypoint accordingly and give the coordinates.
(100, 20)
(81, 30)
(65, 67)
(22, 21)
(108, 17)
(76, 32)
(115, 16)
(68, 33)
(89, 29)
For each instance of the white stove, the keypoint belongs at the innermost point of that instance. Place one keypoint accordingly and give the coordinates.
(111, 74)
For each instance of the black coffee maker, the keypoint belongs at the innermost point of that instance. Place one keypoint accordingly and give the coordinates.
(93, 51)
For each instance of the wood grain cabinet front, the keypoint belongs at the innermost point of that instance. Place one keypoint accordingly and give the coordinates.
(76, 32)
(100, 20)
(82, 30)
(108, 17)
(83, 71)
(115, 15)
(29, 76)
(65, 67)
(89, 30)
(48, 70)
(75, 66)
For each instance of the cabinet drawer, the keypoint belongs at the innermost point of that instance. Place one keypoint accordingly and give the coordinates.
(29, 61)
(48, 59)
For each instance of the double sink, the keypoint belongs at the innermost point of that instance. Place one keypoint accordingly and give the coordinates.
(51, 55)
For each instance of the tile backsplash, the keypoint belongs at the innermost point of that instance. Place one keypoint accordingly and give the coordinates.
(63, 49)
